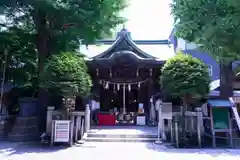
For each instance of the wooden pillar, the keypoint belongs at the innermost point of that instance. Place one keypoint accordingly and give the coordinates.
(149, 87)
(124, 99)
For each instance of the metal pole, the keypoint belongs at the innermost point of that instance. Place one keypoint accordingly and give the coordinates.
(124, 99)
(3, 77)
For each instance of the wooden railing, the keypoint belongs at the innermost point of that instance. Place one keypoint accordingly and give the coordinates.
(194, 126)
(80, 123)
(193, 121)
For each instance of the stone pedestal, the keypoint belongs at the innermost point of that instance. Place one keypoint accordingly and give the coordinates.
(3, 124)
(87, 118)
(50, 110)
(24, 129)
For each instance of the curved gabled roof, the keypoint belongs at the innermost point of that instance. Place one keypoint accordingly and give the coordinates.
(124, 42)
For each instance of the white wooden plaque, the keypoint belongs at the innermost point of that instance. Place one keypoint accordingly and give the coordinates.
(62, 131)
(141, 120)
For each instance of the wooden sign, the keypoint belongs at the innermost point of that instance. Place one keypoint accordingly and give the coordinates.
(62, 131)
(141, 120)
(220, 118)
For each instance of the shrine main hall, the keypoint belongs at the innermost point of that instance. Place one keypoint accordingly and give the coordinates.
(125, 74)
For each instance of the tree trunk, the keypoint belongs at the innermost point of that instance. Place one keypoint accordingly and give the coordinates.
(226, 80)
(8, 69)
(40, 21)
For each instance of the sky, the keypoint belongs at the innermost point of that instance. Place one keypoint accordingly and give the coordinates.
(149, 19)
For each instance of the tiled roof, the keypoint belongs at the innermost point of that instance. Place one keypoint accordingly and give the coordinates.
(162, 52)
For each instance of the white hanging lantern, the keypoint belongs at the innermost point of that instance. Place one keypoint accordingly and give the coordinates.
(137, 73)
(110, 73)
(129, 87)
(150, 72)
(118, 87)
(97, 72)
(107, 85)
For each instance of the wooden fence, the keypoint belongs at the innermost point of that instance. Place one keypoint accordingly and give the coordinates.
(80, 123)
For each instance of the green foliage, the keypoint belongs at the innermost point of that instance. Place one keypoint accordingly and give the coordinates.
(35, 29)
(22, 58)
(66, 73)
(237, 70)
(87, 20)
(213, 24)
(185, 76)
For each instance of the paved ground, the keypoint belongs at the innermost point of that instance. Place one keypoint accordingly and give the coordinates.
(112, 151)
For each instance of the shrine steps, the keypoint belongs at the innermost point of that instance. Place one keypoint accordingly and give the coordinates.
(122, 134)
(108, 139)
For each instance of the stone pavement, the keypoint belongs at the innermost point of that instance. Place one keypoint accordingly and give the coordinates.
(112, 151)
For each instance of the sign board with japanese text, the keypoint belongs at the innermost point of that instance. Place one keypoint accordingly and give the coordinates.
(62, 131)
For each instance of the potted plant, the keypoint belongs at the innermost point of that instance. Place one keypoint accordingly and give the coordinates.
(65, 74)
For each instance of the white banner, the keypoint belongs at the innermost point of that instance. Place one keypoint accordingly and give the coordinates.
(62, 131)
(235, 111)
(236, 115)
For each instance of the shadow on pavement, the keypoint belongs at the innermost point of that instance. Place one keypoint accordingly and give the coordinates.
(8, 148)
(168, 148)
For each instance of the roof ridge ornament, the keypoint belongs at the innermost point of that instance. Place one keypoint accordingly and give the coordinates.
(123, 32)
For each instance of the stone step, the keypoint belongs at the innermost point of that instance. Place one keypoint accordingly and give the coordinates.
(2, 135)
(99, 135)
(23, 137)
(122, 134)
(112, 139)
(25, 129)
(25, 121)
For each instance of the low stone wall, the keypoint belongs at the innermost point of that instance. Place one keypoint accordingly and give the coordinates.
(24, 129)
(3, 124)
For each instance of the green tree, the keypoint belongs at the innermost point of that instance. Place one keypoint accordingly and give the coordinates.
(67, 74)
(58, 24)
(185, 77)
(22, 58)
(215, 26)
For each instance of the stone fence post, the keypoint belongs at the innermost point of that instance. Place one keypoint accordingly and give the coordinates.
(50, 110)
(176, 130)
(160, 127)
(87, 118)
(199, 125)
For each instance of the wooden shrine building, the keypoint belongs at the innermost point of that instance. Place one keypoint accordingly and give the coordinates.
(125, 76)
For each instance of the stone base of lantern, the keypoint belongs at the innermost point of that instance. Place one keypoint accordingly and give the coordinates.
(24, 129)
